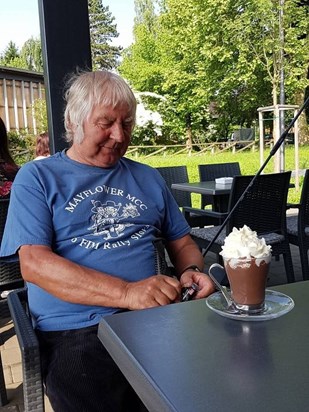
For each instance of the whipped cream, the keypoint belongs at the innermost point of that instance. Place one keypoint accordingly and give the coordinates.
(244, 243)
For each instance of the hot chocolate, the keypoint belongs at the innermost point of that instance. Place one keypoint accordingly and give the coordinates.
(246, 260)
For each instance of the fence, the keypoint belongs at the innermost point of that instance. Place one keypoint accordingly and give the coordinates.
(196, 149)
(18, 91)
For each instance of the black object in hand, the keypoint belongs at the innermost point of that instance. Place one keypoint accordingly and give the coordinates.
(189, 292)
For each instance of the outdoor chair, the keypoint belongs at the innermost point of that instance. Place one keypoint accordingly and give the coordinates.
(33, 389)
(10, 274)
(179, 174)
(263, 209)
(30, 352)
(298, 226)
(10, 278)
(211, 172)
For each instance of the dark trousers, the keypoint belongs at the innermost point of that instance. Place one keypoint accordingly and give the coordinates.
(80, 376)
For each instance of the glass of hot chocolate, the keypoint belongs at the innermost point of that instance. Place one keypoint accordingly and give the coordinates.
(246, 260)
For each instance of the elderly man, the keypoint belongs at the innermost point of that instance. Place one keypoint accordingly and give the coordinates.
(83, 222)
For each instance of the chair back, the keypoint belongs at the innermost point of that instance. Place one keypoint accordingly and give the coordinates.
(303, 216)
(211, 172)
(30, 351)
(10, 274)
(4, 205)
(176, 174)
(263, 208)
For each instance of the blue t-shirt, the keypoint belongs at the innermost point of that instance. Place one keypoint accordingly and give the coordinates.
(104, 219)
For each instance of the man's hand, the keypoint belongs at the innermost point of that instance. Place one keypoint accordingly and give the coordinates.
(158, 290)
(205, 284)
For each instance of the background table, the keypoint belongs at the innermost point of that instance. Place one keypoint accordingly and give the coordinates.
(186, 358)
(219, 193)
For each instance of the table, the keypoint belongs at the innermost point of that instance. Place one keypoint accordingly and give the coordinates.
(184, 357)
(220, 193)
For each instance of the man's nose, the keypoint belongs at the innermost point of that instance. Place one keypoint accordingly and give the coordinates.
(118, 133)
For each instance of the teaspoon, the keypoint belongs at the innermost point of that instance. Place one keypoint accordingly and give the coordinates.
(216, 268)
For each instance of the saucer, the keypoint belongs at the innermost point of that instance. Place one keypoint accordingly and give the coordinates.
(276, 304)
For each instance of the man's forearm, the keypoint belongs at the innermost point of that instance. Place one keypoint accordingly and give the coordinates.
(69, 281)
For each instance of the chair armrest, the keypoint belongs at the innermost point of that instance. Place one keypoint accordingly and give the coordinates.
(204, 212)
(30, 351)
(293, 205)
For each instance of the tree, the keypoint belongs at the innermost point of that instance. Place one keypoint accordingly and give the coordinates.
(140, 62)
(102, 31)
(11, 57)
(10, 52)
(31, 53)
(30, 57)
(220, 57)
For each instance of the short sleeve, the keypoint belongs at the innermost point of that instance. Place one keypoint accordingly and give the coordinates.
(29, 220)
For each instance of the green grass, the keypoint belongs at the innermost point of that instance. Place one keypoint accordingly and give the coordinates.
(249, 163)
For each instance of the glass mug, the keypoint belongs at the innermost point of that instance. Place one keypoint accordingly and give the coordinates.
(247, 279)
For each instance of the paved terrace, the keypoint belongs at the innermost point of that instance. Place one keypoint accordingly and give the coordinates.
(11, 355)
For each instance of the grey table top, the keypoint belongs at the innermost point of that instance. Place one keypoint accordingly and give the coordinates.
(204, 188)
(184, 357)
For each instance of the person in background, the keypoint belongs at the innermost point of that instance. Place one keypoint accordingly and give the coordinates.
(84, 222)
(42, 146)
(8, 168)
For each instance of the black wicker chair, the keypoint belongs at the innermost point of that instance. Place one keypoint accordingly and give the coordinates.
(33, 389)
(298, 226)
(263, 209)
(179, 174)
(211, 172)
(10, 278)
(10, 274)
(30, 351)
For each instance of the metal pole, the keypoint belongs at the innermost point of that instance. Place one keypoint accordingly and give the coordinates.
(282, 93)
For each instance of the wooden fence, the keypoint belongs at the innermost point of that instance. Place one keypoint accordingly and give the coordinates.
(18, 91)
(196, 149)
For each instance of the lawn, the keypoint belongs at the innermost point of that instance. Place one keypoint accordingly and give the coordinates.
(249, 163)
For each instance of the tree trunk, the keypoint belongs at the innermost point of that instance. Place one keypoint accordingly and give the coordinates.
(188, 133)
(302, 121)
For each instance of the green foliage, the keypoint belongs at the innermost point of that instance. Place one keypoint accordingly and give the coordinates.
(21, 146)
(38, 108)
(31, 53)
(102, 31)
(10, 52)
(22, 143)
(144, 135)
(217, 61)
(30, 57)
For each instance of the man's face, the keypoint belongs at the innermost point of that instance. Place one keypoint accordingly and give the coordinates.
(107, 135)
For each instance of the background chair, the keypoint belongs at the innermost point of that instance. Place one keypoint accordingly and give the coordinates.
(33, 390)
(211, 172)
(179, 174)
(298, 226)
(30, 352)
(10, 278)
(10, 275)
(263, 209)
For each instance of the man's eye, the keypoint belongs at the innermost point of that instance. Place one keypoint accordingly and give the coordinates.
(103, 125)
(127, 125)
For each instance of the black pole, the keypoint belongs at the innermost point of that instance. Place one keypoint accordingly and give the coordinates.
(65, 41)
(271, 154)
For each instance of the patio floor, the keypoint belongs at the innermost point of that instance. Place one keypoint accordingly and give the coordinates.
(11, 355)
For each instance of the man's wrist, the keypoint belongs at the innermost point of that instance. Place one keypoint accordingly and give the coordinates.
(191, 267)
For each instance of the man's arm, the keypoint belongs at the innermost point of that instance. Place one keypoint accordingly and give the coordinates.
(189, 264)
(74, 283)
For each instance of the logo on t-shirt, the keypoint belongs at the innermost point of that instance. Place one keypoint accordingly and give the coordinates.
(107, 218)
